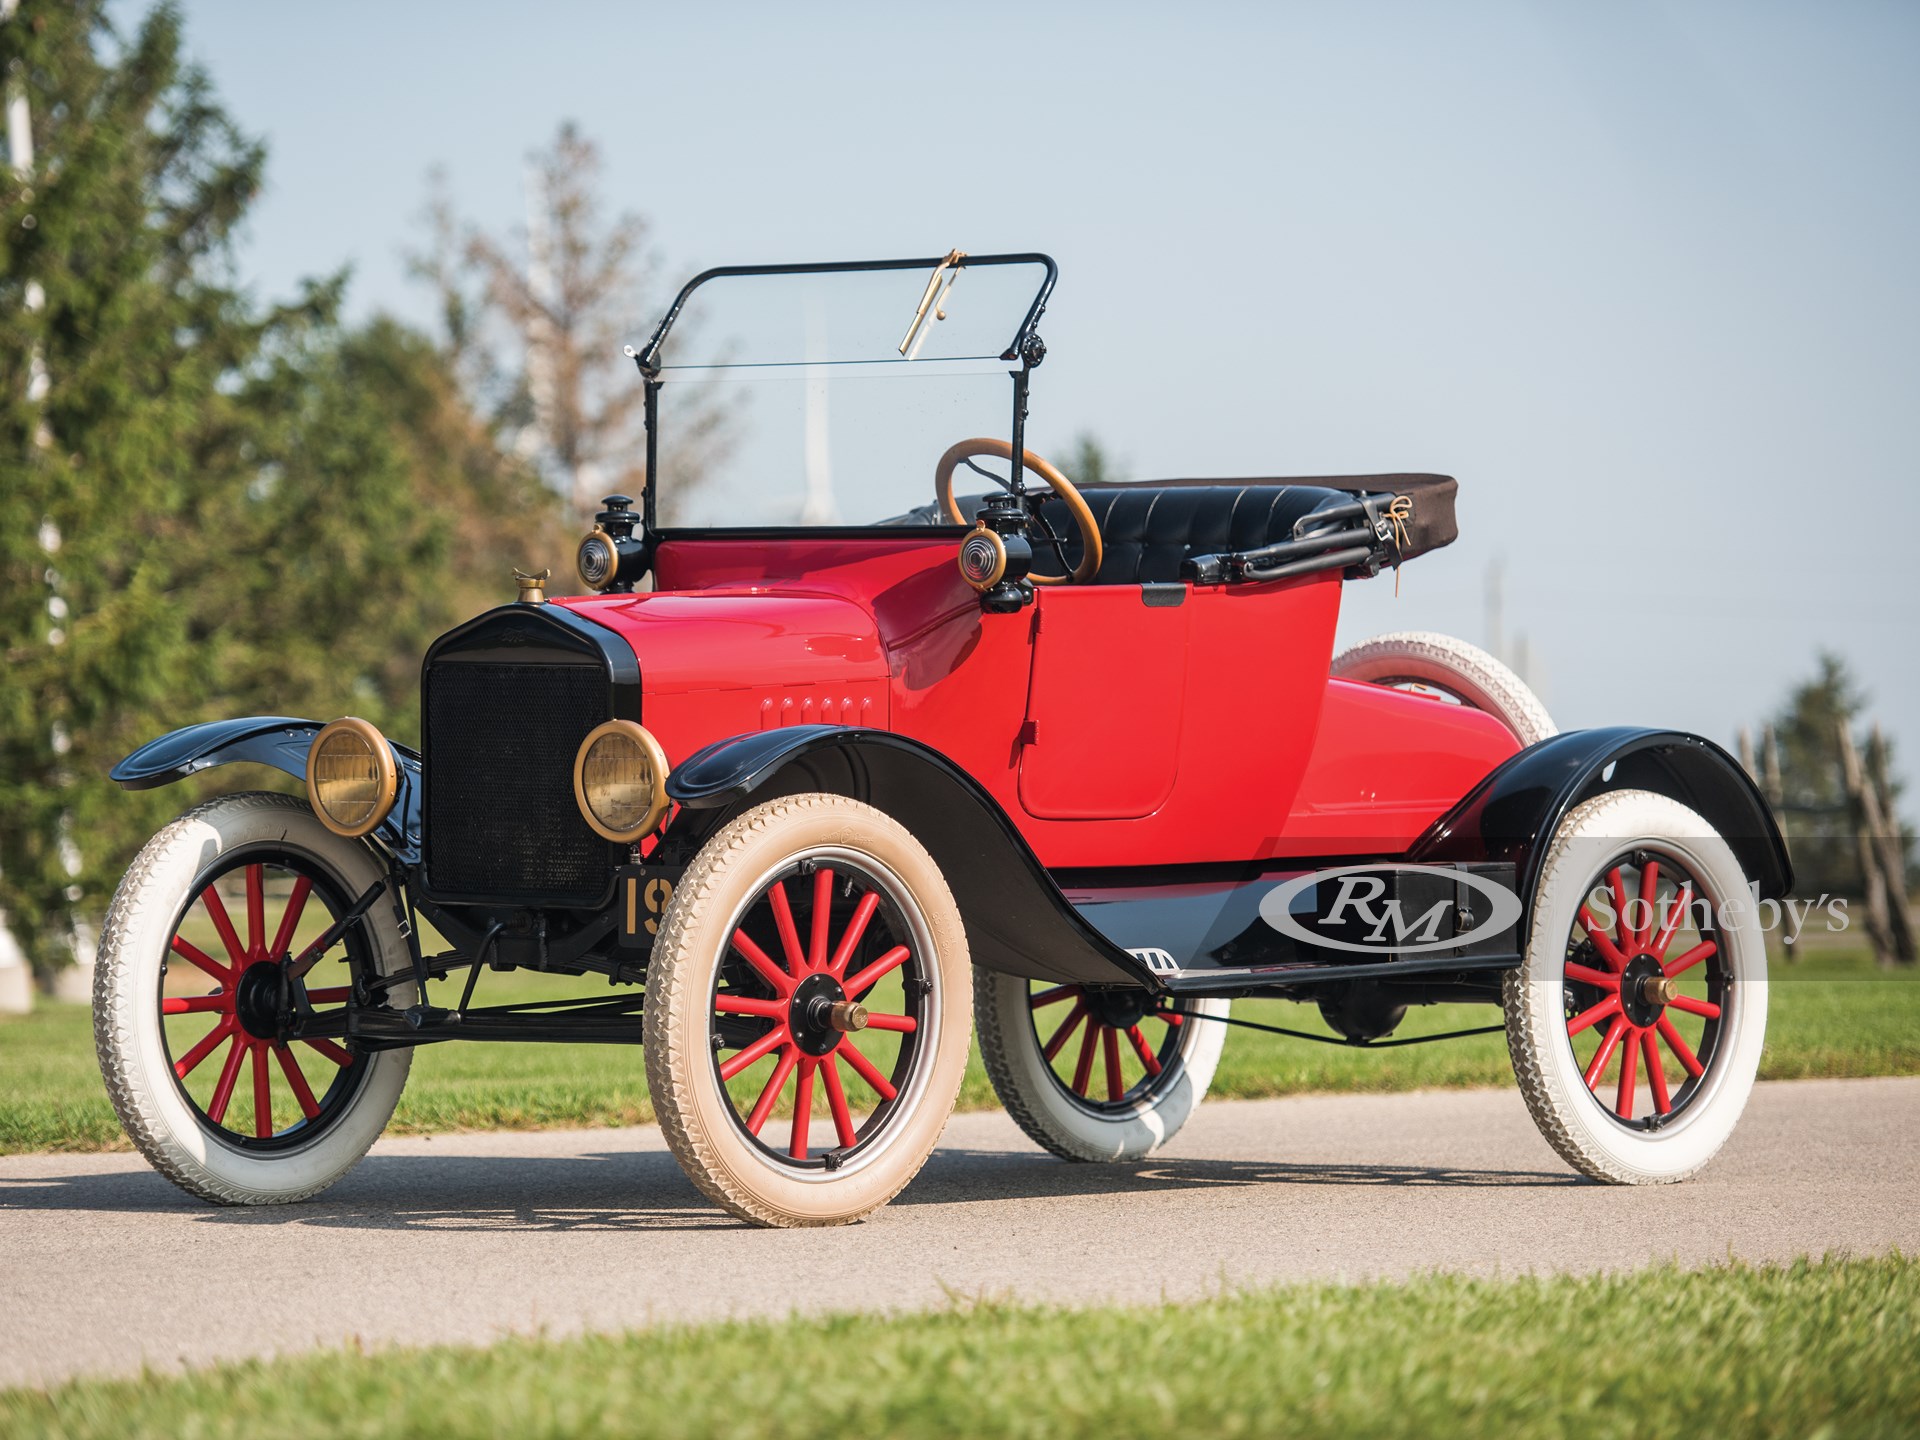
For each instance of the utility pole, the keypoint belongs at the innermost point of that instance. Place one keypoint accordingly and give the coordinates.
(1496, 623)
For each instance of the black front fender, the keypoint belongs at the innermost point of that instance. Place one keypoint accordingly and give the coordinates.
(1017, 920)
(1512, 814)
(277, 740)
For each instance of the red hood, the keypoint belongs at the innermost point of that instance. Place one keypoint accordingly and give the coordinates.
(740, 639)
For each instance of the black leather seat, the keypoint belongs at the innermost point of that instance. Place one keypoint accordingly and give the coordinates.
(1149, 529)
(1146, 531)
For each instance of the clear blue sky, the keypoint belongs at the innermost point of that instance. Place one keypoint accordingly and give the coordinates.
(1643, 276)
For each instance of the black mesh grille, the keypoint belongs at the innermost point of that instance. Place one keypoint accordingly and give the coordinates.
(501, 819)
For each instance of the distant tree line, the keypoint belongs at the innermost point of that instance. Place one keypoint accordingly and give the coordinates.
(215, 506)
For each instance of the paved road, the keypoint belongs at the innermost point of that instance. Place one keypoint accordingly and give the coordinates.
(105, 1267)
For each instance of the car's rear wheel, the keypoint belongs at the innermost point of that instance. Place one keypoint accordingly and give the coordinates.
(1091, 1073)
(806, 1014)
(192, 1005)
(1636, 1022)
(1451, 670)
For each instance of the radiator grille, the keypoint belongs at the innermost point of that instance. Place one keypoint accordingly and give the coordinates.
(500, 814)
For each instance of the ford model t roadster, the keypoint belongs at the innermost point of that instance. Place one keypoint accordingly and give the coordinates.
(1072, 765)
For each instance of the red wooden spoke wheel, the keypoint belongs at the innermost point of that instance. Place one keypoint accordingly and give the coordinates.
(1645, 989)
(228, 1001)
(1105, 1047)
(819, 1002)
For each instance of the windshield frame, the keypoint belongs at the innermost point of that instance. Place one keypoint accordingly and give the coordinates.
(1025, 349)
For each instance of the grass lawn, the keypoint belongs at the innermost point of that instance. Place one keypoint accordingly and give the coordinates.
(1815, 1348)
(1832, 1014)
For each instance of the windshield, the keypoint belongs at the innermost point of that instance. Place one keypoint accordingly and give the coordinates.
(825, 397)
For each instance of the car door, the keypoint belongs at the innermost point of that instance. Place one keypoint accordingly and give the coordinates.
(1105, 701)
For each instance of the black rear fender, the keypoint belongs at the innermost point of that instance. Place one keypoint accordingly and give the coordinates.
(1017, 920)
(1512, 814)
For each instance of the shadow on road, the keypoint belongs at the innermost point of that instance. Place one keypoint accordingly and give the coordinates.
(628, 1191)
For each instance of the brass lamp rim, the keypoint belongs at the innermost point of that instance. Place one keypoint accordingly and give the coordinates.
(656, 757)
(386, 772)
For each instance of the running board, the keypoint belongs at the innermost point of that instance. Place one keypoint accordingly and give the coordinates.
(1280, 926)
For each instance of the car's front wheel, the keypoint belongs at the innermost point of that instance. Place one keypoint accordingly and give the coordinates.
(196, 1015)
(1092, 1073)
(806, 1013)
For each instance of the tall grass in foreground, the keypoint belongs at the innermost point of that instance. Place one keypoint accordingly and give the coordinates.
(1812, 1348)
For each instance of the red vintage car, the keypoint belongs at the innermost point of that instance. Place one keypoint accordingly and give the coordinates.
(1072, 766)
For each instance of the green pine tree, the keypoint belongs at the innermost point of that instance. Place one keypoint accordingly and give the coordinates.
(206, 508)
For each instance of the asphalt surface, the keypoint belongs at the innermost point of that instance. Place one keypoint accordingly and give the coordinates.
(105, 1267)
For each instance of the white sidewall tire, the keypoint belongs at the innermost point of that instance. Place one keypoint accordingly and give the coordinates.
(1464, 671)
(1578, 1126)
(695, 1113)
(134, 944)
(1024, 1080)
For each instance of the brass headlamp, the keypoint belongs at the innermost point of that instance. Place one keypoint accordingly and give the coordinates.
(351, 777)
(620, 781)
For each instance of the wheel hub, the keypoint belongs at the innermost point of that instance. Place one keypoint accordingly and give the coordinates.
(820, 1014)
(1121, 1009)
(1644, 991)
(256, 1001)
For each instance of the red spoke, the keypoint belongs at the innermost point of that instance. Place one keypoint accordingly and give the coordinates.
(1602, 942)
(1172, 1017)
(194, 956)
(1676, 917)
(1656, 1076)
(802, 1111)
(217, 911)
(747, 1005)
(262, 1094)
(763, 1107)
(208, 1044)
(856, 930)
(333, 1052)
(1607, 1007)
(1702, 951)
(1629, 1076)
(330, 995)
(196, 1005)
(256, 911)
(1686, 1004)
(1110, 1047)
(762, 963)
(290, 920)
(1586, 974)
(765, 1045)
(1622, 932)
(905, 1024)
(1067, 1027)
(822, 914)
(1040, 999)
(1681, 1050)
(229, 1075)
(1649, 898)
(1605, 1052)
(837, 1103)
(866, 979)
(789, 936)
(302, 1092)
(1145, 1052)
(866, 1070)
(1083, 1066)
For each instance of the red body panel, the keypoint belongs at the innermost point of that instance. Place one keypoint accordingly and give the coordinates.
(1113, 731)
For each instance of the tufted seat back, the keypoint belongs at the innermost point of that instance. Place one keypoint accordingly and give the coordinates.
(1148, 530)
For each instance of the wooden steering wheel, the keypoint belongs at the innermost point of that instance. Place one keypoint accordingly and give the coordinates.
(1089, 528)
